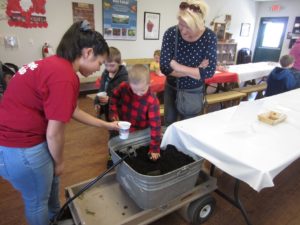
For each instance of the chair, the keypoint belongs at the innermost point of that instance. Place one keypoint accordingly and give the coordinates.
(244, 56)
(6, 69)
(12, 67)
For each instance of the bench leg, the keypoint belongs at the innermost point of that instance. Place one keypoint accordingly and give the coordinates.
(259, 95)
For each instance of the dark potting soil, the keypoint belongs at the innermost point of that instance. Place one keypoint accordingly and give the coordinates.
(170, 159)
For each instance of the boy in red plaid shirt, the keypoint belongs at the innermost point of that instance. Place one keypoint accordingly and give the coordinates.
(135, 103)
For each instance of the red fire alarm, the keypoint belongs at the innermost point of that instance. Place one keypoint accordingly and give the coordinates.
(275, 8)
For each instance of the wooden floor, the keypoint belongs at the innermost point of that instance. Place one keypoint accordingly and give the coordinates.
(85, 158)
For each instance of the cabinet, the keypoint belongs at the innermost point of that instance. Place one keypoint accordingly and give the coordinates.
(226, 53)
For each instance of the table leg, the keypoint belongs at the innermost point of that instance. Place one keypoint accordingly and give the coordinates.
(234, 201)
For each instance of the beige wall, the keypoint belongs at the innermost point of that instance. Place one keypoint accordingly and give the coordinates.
(59, 17)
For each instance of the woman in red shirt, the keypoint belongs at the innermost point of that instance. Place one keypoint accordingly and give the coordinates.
(40, 99)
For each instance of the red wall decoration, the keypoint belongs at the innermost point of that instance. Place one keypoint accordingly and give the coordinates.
(26, 13)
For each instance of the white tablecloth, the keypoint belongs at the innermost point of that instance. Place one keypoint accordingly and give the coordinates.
(235, 141)
(252, 71)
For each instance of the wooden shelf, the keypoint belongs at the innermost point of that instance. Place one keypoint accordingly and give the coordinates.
(226, 53)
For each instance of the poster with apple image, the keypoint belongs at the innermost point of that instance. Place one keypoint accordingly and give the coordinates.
(151, 26)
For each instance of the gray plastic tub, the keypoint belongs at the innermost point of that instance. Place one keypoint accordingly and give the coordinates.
(152, 191)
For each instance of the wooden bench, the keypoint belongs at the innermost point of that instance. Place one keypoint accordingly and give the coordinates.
(162, 110)
(226, 99)
(88, 88)
(259, 88)
(144, 61)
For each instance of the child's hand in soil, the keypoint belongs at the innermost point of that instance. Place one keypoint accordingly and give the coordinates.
(154, 156)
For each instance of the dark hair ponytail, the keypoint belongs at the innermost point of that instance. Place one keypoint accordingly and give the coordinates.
(80, 36)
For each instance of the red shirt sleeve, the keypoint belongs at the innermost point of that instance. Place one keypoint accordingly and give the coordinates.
(155, 126)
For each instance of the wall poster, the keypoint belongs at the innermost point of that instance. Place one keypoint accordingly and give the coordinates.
(119, 19)
(83, 11)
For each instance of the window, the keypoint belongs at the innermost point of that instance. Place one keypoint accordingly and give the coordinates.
(272, 35)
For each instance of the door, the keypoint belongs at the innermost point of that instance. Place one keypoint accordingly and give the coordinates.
(270, 38)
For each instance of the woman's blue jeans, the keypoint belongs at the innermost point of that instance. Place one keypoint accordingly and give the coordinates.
(31, 171)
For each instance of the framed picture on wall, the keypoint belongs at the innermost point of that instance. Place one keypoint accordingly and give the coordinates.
(151, 25)
(245, 29)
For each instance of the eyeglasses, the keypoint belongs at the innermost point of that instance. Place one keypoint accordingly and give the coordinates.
(194, 8)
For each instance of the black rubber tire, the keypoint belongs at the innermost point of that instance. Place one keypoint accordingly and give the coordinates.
(201, 209)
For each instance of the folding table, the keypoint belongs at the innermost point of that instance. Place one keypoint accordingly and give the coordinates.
(235, 141)
(252, 71)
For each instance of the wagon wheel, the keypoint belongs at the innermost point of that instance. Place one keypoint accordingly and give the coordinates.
(200, 210)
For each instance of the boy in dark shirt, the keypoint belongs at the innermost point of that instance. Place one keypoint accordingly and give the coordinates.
(281, 78)
(114, 74)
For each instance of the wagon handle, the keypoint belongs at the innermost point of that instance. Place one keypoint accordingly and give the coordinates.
(86, 187)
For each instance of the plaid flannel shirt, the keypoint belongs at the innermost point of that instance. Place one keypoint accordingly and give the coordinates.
(140, 111)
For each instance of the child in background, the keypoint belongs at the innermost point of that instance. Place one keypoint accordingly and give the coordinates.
(281, 78)
(114, 74)
(220, 67)
(154, 66)
(135, 103)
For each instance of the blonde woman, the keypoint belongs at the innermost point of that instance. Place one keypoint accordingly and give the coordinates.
(188, 56)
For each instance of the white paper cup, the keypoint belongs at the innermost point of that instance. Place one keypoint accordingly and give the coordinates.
(102, 94)
(124, 129)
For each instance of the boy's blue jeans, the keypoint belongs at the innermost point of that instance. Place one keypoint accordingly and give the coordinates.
(31, 171)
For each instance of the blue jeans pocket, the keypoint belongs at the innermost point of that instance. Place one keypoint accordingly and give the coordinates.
(3, 171)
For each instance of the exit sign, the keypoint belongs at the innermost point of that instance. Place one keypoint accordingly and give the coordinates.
(275, 8)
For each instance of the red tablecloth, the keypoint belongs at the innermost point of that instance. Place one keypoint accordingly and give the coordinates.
(157, 83)
(222, 77)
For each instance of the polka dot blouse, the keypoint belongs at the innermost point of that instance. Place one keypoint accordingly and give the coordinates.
(189, 54)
